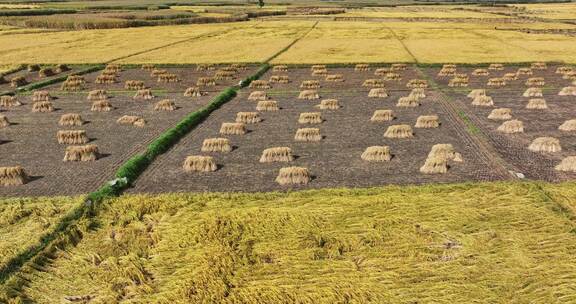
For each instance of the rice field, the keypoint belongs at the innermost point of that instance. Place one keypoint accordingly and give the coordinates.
(498, 242)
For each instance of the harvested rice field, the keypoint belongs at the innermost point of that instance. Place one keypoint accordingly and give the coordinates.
(35, 73)
(487, 242)
(333, 155)
(35, 140)
(519, 96)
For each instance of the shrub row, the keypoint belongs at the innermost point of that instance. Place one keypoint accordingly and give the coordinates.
(35, 12)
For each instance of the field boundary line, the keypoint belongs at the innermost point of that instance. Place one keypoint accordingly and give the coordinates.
(286, 48)
(205, 35)
(402, 43)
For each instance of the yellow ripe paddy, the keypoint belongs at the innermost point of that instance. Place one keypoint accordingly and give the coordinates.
(498, 242)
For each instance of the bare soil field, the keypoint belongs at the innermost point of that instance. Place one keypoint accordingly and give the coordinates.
(335, 160)
(537, 122)
(31, 139)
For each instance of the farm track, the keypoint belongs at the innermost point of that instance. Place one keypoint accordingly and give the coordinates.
(478, 141)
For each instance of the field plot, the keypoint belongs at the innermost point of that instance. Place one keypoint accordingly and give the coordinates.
(335, 159)
(538, 107)
(23, 221)
(420, 12)
(485, 243)
(36, 140)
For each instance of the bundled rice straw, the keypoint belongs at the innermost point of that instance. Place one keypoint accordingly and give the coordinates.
(545, 144)
(277, 154)
(500, 114)
(376, 154)
(216, 145)
(199, 163)
(293, 175)
(81, 153)
(511, 127)
(382, 115)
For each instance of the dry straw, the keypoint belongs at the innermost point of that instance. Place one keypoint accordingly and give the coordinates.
(168, 78)
(382, 115)
(382, 71)
(374, 83)
(42, 107)
(564, 69)
(277, 154)
(260, 84)
(134, 85)
(258, 95)
(545, 144)
(535, 82)
(233, 128)
(308, 135)
(335, 78)
(418, 93)
(148, 67)
(437, 160)
(310, 118)
(280, 68)
(12, 176)
(216, 145)
(165, 105)
(46, 72)
(500, 114)
(320, 72)
(70, 120)
(568, 126)
(248, 117)
(533, 92)
(131, 120)
(72, 137)
(570, 76)
(4, 121)
(568, 164)
(267, 106)
(399, 66)
(101, 106)
(496, 82)
(317, 67)
(7, 101)
(539, 66)
(33, 68)
(199, 163)
(205, 67)
(115, 68)
(483, 101)
(496, 67)
(524, 71)
(206, 82)
(481, 72)
(81, 153)
(568, 91)
(329, 104)
(225, 75)
(145, 94)
(97, 95)
(392, 77)
(511, 127)
(537, 104)
(510, 76)
(408, 102)
(376, 154)
(41, 96)
(362, 67)
(18, 81)
(447, 71)
(399, 131)
(283, 79)
(459, 81)
(309, 95)
(310, 84)
(427, 122)
(378, 93)
(106, 79)
(193, 92)
(417, 83)
(293, 175)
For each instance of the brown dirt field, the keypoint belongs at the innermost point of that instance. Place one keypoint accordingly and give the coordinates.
(32, 77)
(31, 139)
(334, 161)
(514, 147)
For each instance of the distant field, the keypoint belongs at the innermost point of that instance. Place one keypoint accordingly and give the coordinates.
(418, 12)
(550, 11)
(485, 243)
